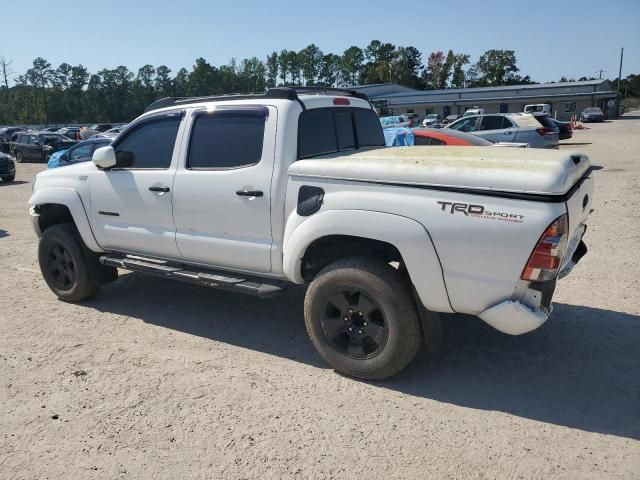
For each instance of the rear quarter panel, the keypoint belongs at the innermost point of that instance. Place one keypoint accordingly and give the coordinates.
(480, 256)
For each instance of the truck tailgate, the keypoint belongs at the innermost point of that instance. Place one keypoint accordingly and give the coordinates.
(578, 210)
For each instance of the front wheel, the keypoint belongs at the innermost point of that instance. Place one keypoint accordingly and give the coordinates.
(9, 178)
(65, 266)
(19, 157)
(362, 318)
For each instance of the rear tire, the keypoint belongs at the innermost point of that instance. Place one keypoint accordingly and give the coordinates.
(68, 267)
(19, 157)
(373, 300)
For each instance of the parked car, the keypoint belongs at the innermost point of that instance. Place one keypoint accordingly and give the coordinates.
(86, 133)
(71, 132)
(541, 108)
(395, 121)
(101, 127)
(114, 132)
(433, 137)
(474, 111)
(384, 237)
(80, 152)
(592, 114)
(510, 127)
(450, 118)
(38, 145)
(7, 168)
(565, 131)
(444, 136)
(51, 129)
(398, 137)
(5, 137)
(413, 118)
(431, 119)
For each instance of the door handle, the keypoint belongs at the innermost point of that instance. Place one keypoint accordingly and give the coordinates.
(250, 193)
(159, 189)
(507, 133)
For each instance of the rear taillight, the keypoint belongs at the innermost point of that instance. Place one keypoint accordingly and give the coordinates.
(544, 131)
(544, 262)
(341, 101)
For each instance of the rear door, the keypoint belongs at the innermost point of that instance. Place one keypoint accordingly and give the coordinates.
(492, 127)
(33, 148)
(222, 190)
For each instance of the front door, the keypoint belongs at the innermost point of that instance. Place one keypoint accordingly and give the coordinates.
(131, 206)
(222, 194)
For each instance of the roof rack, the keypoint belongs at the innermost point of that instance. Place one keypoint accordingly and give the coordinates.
(284, 93)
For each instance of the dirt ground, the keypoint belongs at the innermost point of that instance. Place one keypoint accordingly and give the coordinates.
(156, 379)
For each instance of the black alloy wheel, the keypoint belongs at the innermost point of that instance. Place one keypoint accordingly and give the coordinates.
(61, 267)
(354, 324)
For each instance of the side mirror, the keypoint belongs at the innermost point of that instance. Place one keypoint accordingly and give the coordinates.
(104, 157)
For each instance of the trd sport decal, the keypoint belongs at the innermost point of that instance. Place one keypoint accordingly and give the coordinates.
(479, 211)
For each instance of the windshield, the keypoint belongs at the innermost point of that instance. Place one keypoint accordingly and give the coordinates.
(432, 115)
(592, 110)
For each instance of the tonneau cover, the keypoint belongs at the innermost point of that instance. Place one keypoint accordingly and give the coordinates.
(517, 170)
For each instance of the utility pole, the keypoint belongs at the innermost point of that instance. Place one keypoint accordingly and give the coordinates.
(599, 72)
(619, 82)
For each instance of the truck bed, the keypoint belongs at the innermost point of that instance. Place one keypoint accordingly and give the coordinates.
(525, 171)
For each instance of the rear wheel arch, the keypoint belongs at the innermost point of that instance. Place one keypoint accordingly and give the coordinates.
(390, 237)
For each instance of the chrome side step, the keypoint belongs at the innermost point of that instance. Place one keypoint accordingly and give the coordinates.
(204, 277)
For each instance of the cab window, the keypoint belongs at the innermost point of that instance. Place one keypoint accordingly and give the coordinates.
(149, 145)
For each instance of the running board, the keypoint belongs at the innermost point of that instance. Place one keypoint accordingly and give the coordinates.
(204, 277)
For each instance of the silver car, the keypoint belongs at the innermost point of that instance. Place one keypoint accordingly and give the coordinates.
(509, 127)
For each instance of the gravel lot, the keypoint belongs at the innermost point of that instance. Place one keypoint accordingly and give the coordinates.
(155, 379)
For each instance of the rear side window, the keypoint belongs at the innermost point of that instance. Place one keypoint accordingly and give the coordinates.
(545, 121)
(149, 145)
(226, 140)
(491, 122)
(329, 130)
(421, 141)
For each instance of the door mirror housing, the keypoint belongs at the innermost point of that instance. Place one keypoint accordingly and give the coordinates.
(104, 157)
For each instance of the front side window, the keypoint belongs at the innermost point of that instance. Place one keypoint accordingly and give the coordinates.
(329, 130)
(226, 140)
(81, 152)
(149, 145)
(465, 125)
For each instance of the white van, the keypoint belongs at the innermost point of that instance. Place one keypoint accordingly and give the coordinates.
(538, 108)
(474, 111)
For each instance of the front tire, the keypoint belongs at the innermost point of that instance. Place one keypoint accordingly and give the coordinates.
(362, 318)
(65, 266)
(9, 178)
(19, 157)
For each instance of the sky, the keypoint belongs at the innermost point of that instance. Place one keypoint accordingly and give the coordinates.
(551, 39)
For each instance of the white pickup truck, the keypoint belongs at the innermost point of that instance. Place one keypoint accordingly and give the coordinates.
(255, 193)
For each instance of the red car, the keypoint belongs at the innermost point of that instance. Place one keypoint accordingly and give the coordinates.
(438, 136)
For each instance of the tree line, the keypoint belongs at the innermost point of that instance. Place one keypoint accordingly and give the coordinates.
(71, 94)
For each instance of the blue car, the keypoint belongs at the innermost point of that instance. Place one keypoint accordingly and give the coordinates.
(81, 152)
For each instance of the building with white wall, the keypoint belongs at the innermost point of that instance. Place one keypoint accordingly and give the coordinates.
(565, 98)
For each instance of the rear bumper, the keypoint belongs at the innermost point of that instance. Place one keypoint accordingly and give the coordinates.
(515, 318)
